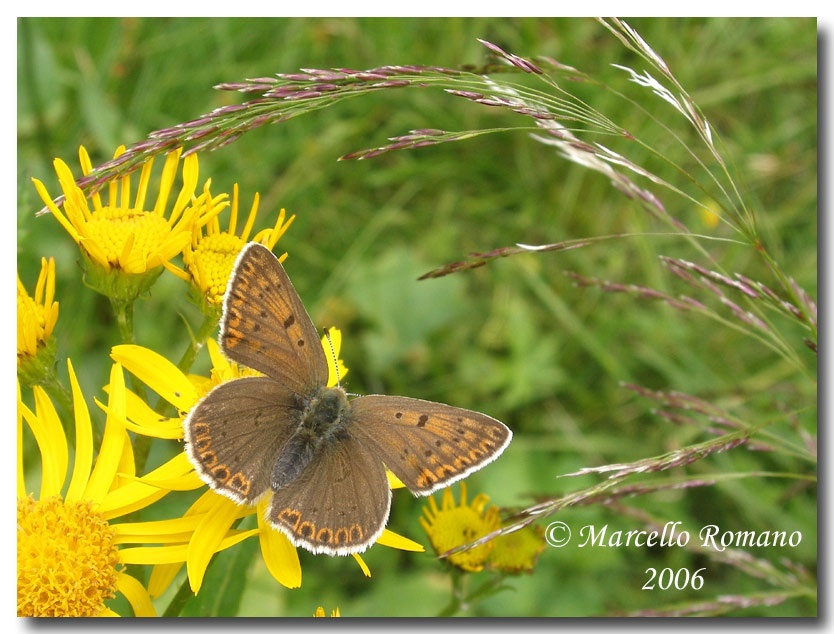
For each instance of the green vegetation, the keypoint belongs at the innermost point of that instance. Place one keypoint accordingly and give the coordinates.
(516, 338)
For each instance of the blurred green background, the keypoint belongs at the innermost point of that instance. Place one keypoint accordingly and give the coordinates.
(514, 339)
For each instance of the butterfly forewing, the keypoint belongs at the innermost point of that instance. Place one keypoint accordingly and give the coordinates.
(338, 505)
(235, 434)
(426, 445)
(265, 325)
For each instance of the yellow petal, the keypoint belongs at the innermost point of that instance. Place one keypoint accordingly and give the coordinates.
(136, 595)
(147, 422)
(50, 318)
(95, 251)
(155, 371)
(126, 471)
(280, 556)
(144, 179)
(124, 201)
(250, 221)
(161, 577)
(45, 410)
(137, 495)
(83, 441)
(113, 442)
(393, 481)
(187, 482)
(393, 540)
(365, 570)
(218, 360)
(170, 432)
(156, 532)
(127, 258)
(190, 176)
(175, 554)
(42, 423)
(206, 539)
(173, 268)
(280, 228)
(153, 554)
(47, 199)
(166, 179)
(41, 284)
(84, 160)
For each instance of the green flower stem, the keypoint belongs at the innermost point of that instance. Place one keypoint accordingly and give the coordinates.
(456, 601)
(198, 341)
(123, 311)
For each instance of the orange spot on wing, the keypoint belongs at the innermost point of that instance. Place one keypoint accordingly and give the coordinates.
(426, 478)
(342, 536)
(221, 472)
(290, 516)
(209, 459)
(445, 471)
(240, 483)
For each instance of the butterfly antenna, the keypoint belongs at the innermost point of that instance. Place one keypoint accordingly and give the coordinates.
(335, 360)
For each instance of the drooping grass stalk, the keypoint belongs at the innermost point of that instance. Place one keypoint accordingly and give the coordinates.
(288, 95)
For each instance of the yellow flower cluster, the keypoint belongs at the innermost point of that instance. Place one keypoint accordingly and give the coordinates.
(79, 534)
(66, 558)
(451, 526)
(74, 542)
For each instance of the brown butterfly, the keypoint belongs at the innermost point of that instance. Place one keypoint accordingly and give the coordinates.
(322, 456)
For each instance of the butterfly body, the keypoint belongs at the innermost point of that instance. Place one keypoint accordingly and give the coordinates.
(322, 456)
(321, 426)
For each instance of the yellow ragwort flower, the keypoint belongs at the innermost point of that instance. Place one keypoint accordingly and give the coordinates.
(454, 525)
(517, 551)
(320, 612)
(209, 257)
(68, 563)
(212, 531)
(124, 245)
(36, 318)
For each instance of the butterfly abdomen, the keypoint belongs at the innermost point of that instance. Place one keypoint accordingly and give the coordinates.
(295, 456)
(321, 424)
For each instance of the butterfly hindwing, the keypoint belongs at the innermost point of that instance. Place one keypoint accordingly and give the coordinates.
(339, 504)
(426, 445)
(235, 434)
(265, 325)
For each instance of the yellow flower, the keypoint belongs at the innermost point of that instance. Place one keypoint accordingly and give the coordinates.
(710, 213)
(209, 258)
(453, 525)
(124, 245)
(320, 612)
(35, 321)
(68, 563)
(206, 526)
(517, 551)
